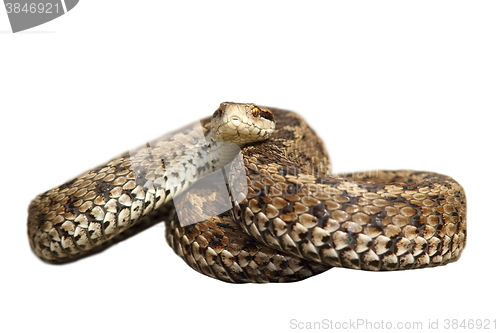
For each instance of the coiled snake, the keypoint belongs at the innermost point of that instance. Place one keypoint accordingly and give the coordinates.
(287, 220)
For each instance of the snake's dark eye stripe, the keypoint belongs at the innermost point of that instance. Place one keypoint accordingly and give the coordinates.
(267, 114)
(264, 113)
(217, 113)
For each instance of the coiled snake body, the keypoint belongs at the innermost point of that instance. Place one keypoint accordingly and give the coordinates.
(292, 220)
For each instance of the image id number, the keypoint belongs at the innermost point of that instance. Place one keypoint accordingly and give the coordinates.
(471, 324)
(32, 8)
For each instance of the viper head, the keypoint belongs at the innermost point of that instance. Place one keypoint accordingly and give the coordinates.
(242, 123)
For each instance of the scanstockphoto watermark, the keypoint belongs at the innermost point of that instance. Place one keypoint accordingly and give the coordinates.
(26, 14)
(368, 324)
(355, 324)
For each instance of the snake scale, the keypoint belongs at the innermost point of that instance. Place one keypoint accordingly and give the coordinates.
(289, 219)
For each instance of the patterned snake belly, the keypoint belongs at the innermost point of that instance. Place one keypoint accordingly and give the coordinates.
(292, 220)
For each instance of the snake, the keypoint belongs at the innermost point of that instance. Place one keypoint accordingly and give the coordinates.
(277, 213)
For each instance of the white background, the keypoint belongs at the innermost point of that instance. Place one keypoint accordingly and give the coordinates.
(387, 84)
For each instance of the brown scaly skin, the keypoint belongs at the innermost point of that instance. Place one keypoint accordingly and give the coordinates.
(379, 220)
(218, 248)
(301, 221)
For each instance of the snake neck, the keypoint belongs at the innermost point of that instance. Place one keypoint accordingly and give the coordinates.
(203, 157)
(221, 153)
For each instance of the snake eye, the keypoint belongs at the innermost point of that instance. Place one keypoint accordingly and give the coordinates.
(263, 113)
(255, 112)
